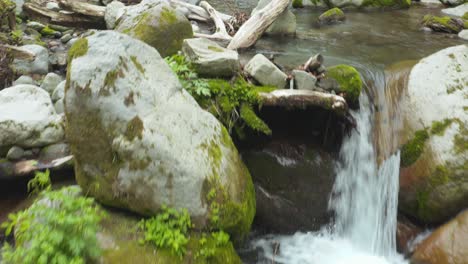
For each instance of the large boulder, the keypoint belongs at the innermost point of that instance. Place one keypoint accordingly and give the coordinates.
(156, 23)
(141, 141)
(285, 24)
(434, 158)
(28, 118)
(210, 59)
(446, 245)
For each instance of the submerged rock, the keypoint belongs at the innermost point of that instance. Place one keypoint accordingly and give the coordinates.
(210, 59)
(434, 158)
(157, 24)
(447, 244)
(332, 16)
(28, 118)
(141, 141)
(265, 72)
(443, 24)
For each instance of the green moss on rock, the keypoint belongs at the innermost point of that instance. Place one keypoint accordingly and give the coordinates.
(412, 150)
(387, 3)
(252, 120)
(6, 6)
(442, 24)
(439, 127)
(297, 4)
(47, 31)
(349, 80)
(165, 31)
(332, 16)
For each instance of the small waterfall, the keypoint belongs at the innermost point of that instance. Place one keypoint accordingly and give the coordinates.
(364, 199)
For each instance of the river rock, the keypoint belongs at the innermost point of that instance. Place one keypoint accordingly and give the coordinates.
(349, 80)
(210, 59)
(28, 118)
(283, 25)
(51, 81)
(458, 11)
(54, 151)
(453, 2)
(113, 12)
(443, 24)
(156, 23)
(433, 179)
(463, 34)
(144, 141)
(59, 92)
(447, 244)
(24, 79)
(332, 16)
(15, 153)
(304, 80)
(59, 106)
(265, 72)
(39, 65)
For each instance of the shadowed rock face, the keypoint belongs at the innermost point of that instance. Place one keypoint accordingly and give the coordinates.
(141, 141)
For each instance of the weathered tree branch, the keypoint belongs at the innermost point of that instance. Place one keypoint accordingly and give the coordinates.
(253, 28)
(302, 98)
(198, 13)
(221, 32)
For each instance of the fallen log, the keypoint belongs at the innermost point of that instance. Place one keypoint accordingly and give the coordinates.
(253, 28)
(83, 8)
(220, 32)
(293, 99)
(198, 13)
(37, 10)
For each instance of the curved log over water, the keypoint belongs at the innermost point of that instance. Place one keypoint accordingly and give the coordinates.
(304, 98)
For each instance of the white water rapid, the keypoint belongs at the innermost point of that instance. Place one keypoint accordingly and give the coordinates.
(364, 199)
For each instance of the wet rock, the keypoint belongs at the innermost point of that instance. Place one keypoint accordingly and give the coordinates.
(447, 244)
(24, 79)
(284, 24)
(329, 84)
(463, 34)
(443, 24)
(138, 135)
(406, 233)
(304, 80)
(458, 11)
(210, 59)
(39, 65)
(51, 81)
(15, 153)
(291, 182)
(28, 118)
(157, 24)
(332, 16)
(349, 81)
(433, 182)
(35, 25)
(265, 72)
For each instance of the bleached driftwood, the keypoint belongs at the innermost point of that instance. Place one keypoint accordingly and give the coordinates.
(253, 28)
(83, 8)
(197, 12)
(303, 98)
(220, 32)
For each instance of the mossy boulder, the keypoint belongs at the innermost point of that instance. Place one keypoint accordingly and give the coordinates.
(332, 16)
(447, 244)
(157, 24)
(434, 137)
(141, 141)
(119, 236)
(443, 24)
(349, 80)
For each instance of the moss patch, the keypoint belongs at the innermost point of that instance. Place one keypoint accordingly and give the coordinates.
(386, 3)
(297, 4)
(253, 121)
(442, 24)
(412, 150)
(134, 129)
(332, 15)
(438, 127)
(349, 80)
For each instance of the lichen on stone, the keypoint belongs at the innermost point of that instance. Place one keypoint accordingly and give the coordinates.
(413, 149)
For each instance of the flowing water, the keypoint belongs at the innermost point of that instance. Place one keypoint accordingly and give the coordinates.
(365, 193)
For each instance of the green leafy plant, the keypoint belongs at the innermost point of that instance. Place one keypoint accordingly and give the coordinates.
(60, 227)
(231, 102)
(209, 245)
(40, 182)
(168, 230)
